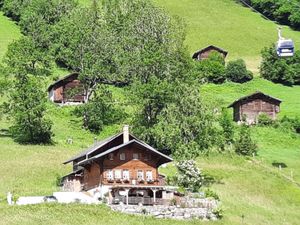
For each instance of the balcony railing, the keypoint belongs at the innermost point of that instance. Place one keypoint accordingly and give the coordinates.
(159, 182)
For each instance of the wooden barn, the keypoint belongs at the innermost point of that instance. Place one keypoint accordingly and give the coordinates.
(122, 167)
(251, 106)
(205, 52)
(67, 90)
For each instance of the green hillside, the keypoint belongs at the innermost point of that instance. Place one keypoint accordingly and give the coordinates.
(8, 31)
(225, 23)
(252, 191)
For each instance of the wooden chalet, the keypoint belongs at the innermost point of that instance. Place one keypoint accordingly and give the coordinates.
(67, 90)
(205, 52)
(122, 167)
(251, 106)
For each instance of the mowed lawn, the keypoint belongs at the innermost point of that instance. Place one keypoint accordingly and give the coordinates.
(9, 31)
(250, 193)
(229, 25)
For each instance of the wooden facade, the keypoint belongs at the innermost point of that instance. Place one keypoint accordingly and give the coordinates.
(119, 162)
(67, 90)
(251, 106)
(205, 52)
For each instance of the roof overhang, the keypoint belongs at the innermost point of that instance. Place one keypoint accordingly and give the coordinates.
(166, 158)
(258, 93)
(195, 55)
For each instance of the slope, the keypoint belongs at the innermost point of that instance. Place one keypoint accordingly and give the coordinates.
(228, 25)
(250, 193)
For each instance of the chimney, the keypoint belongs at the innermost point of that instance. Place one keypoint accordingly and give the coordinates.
(125, 134)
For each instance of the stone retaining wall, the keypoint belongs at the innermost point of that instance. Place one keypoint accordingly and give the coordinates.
(204, 211)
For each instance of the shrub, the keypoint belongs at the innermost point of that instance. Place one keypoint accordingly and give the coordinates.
(236, 71)
(227, 126)
(280, 70)
(212, 194)
(264, 120)
(291, 123)
(189, 176)
(245, 145)
(211, 69)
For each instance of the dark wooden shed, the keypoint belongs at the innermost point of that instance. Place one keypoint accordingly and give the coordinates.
(205, 52)
(251, 106)
(67, 90)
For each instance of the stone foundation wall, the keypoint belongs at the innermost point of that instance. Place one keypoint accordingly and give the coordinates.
(203, 211)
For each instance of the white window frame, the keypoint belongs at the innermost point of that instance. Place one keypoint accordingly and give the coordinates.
(118, 174)
(111, 156)
(110, 175)
(140, 175)
(122, 156)
(126, 175)
(149, 175)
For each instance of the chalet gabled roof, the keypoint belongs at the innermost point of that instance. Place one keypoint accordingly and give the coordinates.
(134, 141)
(62, 79)
(93, 148)
(255, 95)
(195, 55)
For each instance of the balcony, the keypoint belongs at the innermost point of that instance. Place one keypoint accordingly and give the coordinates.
(135, 182)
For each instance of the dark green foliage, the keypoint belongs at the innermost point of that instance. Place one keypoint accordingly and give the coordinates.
(26, 107)
(14, 8)
(280, 70)
(284, 12)
(211, 194)
(99, 111)
(211, 69)
(236, 71)
(39, 16)
(264, 120)
(227, 126)
(177, 121)
(291, 123)
(24, 57)
(244, 145)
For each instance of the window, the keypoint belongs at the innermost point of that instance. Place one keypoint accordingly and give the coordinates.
(135, 156)
(110, 175)
(125, 174)
(122, 156)
(149, 175)
(111, 156)
(147, 157)
(118, 174)
(140, 175)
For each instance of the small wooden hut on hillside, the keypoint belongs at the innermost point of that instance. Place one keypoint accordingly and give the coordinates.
(67, 90)
(251, 106)
(205, 52)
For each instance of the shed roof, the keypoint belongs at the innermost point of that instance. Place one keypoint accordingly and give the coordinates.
(256, 94)
(75, 74)
(195, 55)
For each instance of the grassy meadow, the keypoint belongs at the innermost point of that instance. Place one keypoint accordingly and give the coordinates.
(229, 25)
(252, 191)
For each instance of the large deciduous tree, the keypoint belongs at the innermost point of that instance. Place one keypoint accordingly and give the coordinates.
(26, 107)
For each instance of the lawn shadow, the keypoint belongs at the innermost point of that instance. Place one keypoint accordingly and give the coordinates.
(279, 164)
(209, 180)
(4, 133)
